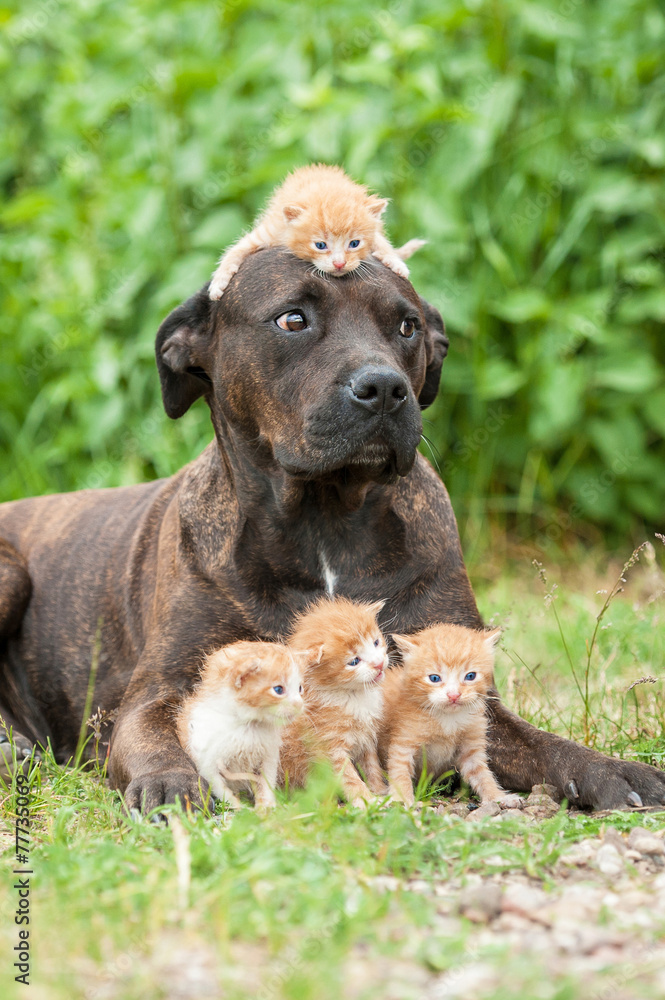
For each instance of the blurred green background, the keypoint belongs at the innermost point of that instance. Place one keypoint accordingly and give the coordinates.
(525, 141)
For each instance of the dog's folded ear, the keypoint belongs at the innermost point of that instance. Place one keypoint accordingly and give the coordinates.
(436, 345)
(181, 351)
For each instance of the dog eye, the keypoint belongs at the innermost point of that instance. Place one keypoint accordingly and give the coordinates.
(408, 328)
(353, 244)
(354, 662)
(291, 321)
(320, 245)
(435, 678)
(278, 689)
(471, 676)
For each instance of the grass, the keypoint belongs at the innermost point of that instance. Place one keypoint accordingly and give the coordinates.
(319, 901)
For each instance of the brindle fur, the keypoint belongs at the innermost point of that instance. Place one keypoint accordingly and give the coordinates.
(239, 540)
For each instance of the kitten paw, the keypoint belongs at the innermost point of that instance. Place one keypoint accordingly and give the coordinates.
(217, 286)
(511, 801)
(220, 281)
(394, 263)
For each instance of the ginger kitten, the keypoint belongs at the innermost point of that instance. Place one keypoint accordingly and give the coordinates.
(231, 725)
(322, 216)
(343, 697)
(435, 704)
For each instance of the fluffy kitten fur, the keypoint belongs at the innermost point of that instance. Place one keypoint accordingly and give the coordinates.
(319, 204)
(343, 699)
(445, 717)
(231, 725)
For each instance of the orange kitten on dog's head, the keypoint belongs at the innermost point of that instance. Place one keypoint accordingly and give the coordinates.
(322, 216)
(435, 707)
(342, 692)
(232, 723)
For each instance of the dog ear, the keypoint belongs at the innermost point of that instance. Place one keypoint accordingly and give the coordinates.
(436, 346)
(179, 349)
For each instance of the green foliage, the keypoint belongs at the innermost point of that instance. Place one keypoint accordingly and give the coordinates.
(524, 140)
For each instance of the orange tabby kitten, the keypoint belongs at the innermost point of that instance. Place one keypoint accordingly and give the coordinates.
(320, 215)
(343, 697)
(436, 704)
(231, 725)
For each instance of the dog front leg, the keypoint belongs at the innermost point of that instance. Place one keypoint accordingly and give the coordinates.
(521, 756)
(147, 763)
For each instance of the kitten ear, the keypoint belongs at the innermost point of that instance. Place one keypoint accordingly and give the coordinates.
(243, 673)
(292, 212)
(377, 206)
(312, 656)
(404, 643)
(491, 639)
(375, 607)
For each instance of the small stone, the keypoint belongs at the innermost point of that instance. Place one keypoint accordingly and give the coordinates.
(485, 811)
(638, 831)
(648, 844)
(512, 801)
(613, 837)
(609, 861)
(457, 809)
(527, 902)
(481, 904)
(545, 804)
(550, 790)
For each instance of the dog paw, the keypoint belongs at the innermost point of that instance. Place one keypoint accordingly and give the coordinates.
(16, 755)
(608, 783)
(159, 788)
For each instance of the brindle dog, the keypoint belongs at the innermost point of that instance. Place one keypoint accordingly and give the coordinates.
(312, 482)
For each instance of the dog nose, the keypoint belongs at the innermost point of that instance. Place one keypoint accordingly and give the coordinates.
(378, 390)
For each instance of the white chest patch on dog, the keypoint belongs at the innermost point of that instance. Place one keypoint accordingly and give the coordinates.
(329, 578)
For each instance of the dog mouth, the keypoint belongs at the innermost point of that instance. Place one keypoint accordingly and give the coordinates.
(378, 466)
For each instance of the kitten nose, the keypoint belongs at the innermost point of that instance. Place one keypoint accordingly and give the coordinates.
(339, 264)
(453, 696)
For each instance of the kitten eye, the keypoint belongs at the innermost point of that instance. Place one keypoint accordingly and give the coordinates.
(408, 328)
(471, 676)
(435, 678)
(354, 662)
(353, 244)
(291, 321)
(320, 245)
(376, 642)
(278, 689)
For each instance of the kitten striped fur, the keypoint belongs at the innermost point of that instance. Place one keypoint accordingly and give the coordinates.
(342, 695)
(435, 710)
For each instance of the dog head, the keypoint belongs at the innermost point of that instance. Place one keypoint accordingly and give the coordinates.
(325, 378)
